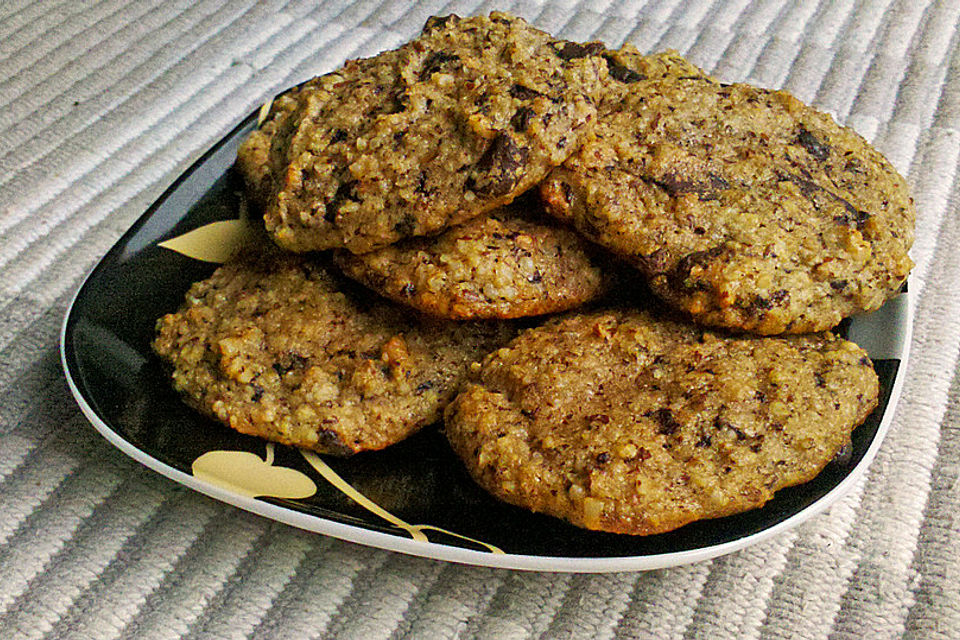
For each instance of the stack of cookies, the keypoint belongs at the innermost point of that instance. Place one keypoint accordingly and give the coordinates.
(457, 228)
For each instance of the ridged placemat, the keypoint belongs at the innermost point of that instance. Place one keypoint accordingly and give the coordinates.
(103, 103)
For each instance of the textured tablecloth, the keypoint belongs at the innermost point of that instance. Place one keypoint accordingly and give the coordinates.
(103, 103)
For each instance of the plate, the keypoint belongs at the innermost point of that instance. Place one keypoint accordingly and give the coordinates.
(413, 497)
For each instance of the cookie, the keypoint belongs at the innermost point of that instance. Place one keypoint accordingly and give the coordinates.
(508, 263)
(278, 347)
(742, 206)
(622, 422)
(462, 119)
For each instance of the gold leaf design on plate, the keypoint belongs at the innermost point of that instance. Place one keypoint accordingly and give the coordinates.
(247, 474)
(416, 531)
(264, 111)
(215, 242)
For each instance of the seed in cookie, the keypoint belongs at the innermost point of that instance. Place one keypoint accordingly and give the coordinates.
(508, 263)
(742, 206)
(277, 347)
(619, 421)
(462, 119)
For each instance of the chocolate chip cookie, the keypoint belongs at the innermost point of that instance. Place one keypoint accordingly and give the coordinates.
(462, 119)
(508, 263)
(742, 206)
(278, 347)
(623, 422)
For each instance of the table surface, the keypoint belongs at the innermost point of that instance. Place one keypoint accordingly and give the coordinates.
(103, 103)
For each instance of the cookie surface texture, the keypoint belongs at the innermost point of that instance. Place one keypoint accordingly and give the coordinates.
(460, 120)
(742, 206)
(620, 422)
(508, 263)
(275, 346)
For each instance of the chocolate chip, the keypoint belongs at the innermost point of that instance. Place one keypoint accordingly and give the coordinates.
(346, 191)
(816, 148)
(622, 73)
(821, 381)
(438, 61)
(329, 441)
(603, 458)
(853, 165)
(396, 102)
(664, 417)
(572, 50)
(811, 189)
(339, 135)
(852, 218)
(655, 262)
(422, 183)
(498, 170)
(406, 226)
(521, 119)
(704, 441)
(838, 285)
(777, 298)
(290, 361)
(521, 92)
(424, 386)
(681, 273)
(706, 188)
(258, 392)
(438, 22)
(807, 187)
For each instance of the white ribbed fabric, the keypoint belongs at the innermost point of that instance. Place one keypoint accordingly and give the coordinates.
(103, 103)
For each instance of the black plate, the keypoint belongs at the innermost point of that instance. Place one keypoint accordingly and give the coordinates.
(122, 390)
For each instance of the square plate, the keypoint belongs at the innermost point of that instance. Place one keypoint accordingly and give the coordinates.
(413, 497)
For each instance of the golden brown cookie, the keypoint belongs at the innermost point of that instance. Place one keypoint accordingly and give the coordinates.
(742, 206)
(276, 346)
(622, 422)
(462, 119)
(507, 263)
